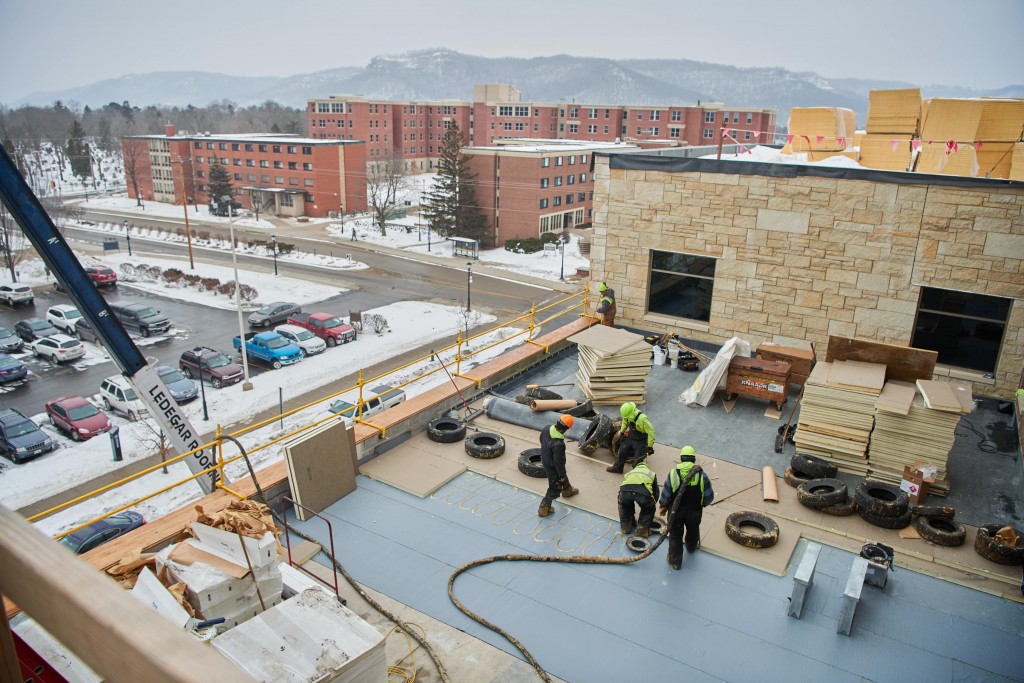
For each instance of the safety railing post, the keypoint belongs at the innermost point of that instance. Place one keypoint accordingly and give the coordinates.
(220, 456)
(586, 295)
(359, 404)
(458, 353)
(533, 315)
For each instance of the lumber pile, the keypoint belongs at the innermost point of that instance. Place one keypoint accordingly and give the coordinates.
(916, 423)
(613, 365)
(837, 413)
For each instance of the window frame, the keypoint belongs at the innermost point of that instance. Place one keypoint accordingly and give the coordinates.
(694, 271)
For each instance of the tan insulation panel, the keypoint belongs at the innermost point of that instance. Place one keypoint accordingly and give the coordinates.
(995, 159)
(1001, 120)
(1017, 162)
(876, 151)
(894, 111)
(807, 123)
(933, 159)
(951, 119)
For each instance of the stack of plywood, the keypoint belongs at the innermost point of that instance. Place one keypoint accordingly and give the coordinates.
(837, 413)
(916, 424)
(613, 365)
(834, 125)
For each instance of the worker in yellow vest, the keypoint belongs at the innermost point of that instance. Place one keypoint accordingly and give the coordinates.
(639, 488)
(606, 306)
(683, 499)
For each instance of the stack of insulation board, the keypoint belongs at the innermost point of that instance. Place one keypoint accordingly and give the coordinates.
(893, 115)
(834, 125)
(1000, 127)
(613, 365)
(916, 424)
(944, 120)
(837, 413)
(1017, 162)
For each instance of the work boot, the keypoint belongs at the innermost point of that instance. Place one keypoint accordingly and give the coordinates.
(626, 529)
(614, 469)
(544, 510)
(678, 564)
(643, 532)
(569, 491)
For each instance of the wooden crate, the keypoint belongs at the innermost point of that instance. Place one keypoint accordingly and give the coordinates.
(759, 378)
(801, 361)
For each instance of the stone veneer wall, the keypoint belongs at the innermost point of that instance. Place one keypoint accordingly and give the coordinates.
(807, 257)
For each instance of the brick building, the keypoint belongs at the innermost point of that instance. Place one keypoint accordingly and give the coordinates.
(497, 112)
(529, 187)
(283, 175)
(716, 249)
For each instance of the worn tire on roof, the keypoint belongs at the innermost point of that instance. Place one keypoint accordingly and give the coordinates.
(485, 445)
(941, 530)
(819, 493)
(901, 521)
(794, 478)
(813, 466)
(991, 548)
(446, 430)
(542, 394)
(841, 509)
(737, 527)
(530, 464)
(882, 500)
(597, 434)
(581, 409)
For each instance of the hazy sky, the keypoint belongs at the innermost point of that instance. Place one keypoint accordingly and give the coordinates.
(56, 44)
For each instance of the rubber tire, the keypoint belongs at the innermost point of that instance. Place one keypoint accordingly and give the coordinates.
(331, 343)
(989, 547)
(542, 394)
(841, 509)
(144, 331)
(768, 536)
(530, 465)
(819, 493)
(882, 500)
(581, 409)
(523, 399)
(941, 531)
(901, 521)
(812, 465)
(597, 434)
(485, 445)
(793, 478)
(778, 443)
(932, 511)
(106, 404)
(276, 364)
(187, 372)
(638, 544)
(215, 382)
(446, 430)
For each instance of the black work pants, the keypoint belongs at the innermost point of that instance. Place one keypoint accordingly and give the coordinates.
(687, 521)
(632, 445)
(555, 485)
(628, 500)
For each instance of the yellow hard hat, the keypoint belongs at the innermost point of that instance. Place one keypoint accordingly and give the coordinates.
(687, 453)
(602, 287)
(627, 410)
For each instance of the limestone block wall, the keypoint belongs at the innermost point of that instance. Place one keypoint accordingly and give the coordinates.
(807, 257)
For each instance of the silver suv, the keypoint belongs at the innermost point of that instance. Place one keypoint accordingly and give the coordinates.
(15, 293)
(118, 395)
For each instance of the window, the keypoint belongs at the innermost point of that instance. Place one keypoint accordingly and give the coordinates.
(308, 182)
(519, 125)
(198, 145)
(251, 178)
(583, 158)
(607, 113)
(735, 117)
(292, 149)
(279, 179)
(569, 198)
(750, 117)
(278, 164)
(570, 179)
(681, 285)
(209, 145)
(574, 112)
(591, 128)
(543, 182)
(545, 162)
(654, 130)
(544, 203)
(250, 162)
(709, 117)
(558, 200)
(558, 181)
(583, 177)
(639, 130)
(277, 149)
(673, 132)
(572, 159)
(235, 147)
(293, 181)
(677, 115)
(967, 330)
(508, 125)
(746, 135)
(264, 179)
(505, 110)
(263, 148)
(655, 115)
(264, 163)
(536, 127)
(592, 113)
(286, 199)
(582, 197)
(223, 145)
(307, 167)
(199, 160)
(307, 150)
(201, 174)
(522, 111)
(709, 133)
(574, 128)
(293, 166)
(558, 161)
(238, 176)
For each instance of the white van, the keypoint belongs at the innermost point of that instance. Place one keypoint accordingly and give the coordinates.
(376, 400)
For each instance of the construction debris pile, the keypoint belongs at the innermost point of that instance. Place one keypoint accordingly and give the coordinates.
(613, 365)
(978, 138)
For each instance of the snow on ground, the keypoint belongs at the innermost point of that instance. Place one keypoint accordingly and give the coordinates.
(161, 210)
(771, 155)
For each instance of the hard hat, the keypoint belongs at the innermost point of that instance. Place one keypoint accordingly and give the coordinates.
(687, 453)
(567, 420)
(602, 287)
(627, 410)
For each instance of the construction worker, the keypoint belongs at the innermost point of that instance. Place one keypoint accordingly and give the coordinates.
(692, 485)
(639, 487)
(637, 437)
(552, 457)
(606, 306)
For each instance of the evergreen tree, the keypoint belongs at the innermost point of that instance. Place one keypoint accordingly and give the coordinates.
(452, 209)
(78, 153)
(220, 183)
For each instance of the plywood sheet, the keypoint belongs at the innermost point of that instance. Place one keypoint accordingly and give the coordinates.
(902, 362)
(857, 375)
(321, 466)
(606, 339)
(938, 395)
(896, 397)
(412, 471)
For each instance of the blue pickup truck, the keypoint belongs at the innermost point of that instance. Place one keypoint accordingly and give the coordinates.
(269, 348)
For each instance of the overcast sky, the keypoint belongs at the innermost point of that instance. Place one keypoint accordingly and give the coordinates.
(56, 44)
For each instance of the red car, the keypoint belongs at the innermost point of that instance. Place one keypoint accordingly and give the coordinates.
(101, 276)
(76, 416)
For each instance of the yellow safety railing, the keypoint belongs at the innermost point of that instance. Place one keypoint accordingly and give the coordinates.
(220, 462)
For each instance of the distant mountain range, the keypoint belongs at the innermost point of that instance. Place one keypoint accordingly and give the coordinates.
(445, 74)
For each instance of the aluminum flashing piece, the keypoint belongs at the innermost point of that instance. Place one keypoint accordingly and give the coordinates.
(851, 596)
(803, 579)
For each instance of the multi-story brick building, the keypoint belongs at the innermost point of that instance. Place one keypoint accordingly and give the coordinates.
(281, 174)
(528, 187)
(497, 113)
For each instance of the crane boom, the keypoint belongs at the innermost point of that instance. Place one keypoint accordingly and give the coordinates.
(60, 259)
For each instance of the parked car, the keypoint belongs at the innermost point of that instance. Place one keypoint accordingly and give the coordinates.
(375, 400)
(210, 365)
(141, 318)
(63, 317)
(11, 369)
(60, 348)
(76, 416)
(268, 348)
(21, 439)
(85, 332)
(98, 533)
(118, 395)
(327, 326)
(10, 342)
(273, 313)
(16, 293)
(101, 276)
(181, 387)
(308, 343)
(31, 329)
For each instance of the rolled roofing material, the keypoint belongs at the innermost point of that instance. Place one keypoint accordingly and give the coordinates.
(541, 405)
(519, 414)
(769, 484)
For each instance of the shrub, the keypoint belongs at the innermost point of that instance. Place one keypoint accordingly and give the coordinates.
(227, 289)
(151, 273)
(192, 280)
(209, 284)
(283, 248)
(203, 235)
(375, 321)
(248, 293)
(128, 271)
(173, 275)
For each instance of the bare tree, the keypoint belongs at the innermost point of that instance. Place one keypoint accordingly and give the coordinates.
(384, 178)
(13, 243)
(136, 156)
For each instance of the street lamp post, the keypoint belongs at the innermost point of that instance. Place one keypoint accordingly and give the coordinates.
(561, 269)
(127, 236)
(188, 234)
(273, 240)
(202, 391)
(469, 285)
(247, 384)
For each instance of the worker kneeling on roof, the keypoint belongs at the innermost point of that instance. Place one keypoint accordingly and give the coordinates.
(639, 488)
(686, 493)
(637, 437)
(552, 457)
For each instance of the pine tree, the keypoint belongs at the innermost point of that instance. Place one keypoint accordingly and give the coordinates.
(452, 209)
(77, 150)
(220, 183)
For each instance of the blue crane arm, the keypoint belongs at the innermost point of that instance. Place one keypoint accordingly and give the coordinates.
(61, 260)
